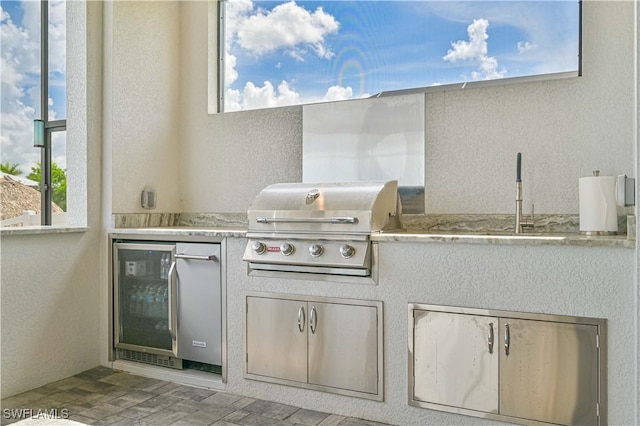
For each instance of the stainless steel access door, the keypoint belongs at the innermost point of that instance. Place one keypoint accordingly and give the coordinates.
(276, 337)
(549, 371)
(456, 360)
(343, 346)
(199, 302)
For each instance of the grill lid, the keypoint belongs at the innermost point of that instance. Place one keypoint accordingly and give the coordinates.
(339, 207)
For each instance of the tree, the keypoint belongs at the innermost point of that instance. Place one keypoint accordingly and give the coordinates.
(58, 182)
(10, 169)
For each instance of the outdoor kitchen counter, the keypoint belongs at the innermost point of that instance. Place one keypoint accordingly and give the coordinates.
(569, 239)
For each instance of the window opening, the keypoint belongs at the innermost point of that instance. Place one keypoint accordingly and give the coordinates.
(276, 53)
(34, 106)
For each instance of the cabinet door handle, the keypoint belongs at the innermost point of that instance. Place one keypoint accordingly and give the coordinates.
(301, 319)
(490, 338)
(507, 339)
(312, 320)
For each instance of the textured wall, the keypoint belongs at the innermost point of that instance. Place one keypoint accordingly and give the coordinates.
(595, 282)
(50, 285)
(50, 307)
(143, 100)
(564, 129)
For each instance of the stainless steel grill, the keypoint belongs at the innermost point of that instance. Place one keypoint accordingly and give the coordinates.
(321, 228)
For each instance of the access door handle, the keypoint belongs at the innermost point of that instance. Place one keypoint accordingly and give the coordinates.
(312, 320)
(507, 339)
(301, 319)
(490, 338)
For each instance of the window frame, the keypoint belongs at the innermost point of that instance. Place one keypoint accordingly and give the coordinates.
(46, 184)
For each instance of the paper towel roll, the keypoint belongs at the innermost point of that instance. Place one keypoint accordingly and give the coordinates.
(597, 195)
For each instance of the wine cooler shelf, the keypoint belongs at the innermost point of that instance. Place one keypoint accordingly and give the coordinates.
(148, 300)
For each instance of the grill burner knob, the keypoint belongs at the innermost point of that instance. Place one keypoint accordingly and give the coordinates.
(347, 251)
(287, 249)
(316, 250)
(258, 247)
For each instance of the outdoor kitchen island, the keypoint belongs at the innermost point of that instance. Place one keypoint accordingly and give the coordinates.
(570, 276)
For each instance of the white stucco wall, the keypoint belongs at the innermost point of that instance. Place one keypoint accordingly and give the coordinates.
(50, 283)
(143, 99)
(50, 305)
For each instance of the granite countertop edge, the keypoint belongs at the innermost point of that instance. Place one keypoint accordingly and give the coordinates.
(409, 236)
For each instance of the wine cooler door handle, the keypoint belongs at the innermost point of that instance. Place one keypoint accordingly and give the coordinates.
(172, 282)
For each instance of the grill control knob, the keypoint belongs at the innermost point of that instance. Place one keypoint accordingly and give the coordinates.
(287, 249)
(347, 251)
(258, 247)
(316, 250)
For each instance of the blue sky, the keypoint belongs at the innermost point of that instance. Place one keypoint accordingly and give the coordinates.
(364, 47)
(20, 105)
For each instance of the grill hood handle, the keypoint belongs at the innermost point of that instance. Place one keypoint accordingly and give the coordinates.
(347, 220)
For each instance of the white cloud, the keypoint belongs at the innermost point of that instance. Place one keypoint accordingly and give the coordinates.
(20, 61)
(57, 37)
(20, 67)
(475, 50)
(230, 73)
(549, 26)
(338, 93)
(266, 96)
(287, 26)
(526, 46)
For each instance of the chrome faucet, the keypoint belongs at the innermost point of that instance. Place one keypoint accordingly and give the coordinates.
(521, 224)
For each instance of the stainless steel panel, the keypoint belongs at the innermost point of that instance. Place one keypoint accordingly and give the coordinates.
(199, 304)
(551, 372)
(275, 347)
(343, 346)
(355, 272)
(370, 206)
(330, 257)
(453, 360)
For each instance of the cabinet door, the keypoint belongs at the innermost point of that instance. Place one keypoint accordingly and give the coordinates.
(454, 361)
(343, 346)
(199, 331)
(550, 371)
(276, 340)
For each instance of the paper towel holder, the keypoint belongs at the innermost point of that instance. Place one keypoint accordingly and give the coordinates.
(625, 191)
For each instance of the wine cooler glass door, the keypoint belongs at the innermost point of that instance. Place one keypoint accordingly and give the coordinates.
(143, 297)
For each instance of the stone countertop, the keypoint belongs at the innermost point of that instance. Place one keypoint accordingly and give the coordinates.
(555, 239)
(411, 236)
(181, 231)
